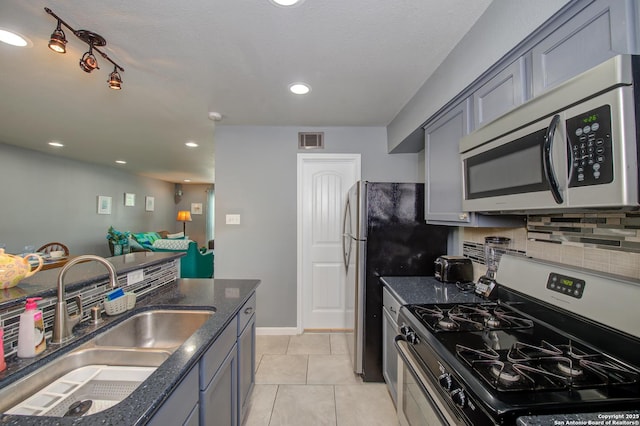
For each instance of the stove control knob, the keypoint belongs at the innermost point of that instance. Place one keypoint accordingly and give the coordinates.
(412, 338)
(405, 329)
(445, 381)
(459, 397)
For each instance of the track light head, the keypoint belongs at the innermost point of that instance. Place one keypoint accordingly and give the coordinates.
(89, 62)
(115, 81)
(58, 40)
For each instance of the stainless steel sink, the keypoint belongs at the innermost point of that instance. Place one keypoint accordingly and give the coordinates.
(165, 329)
(15, 393)
(146, 339)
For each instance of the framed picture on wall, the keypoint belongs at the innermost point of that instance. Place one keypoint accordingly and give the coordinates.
(149, 203)
(196, 208)
(104, 204)
(129, 199)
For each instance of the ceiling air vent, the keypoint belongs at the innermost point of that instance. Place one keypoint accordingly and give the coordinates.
(310, 140)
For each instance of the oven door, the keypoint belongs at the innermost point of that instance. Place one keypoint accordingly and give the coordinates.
(419, 403)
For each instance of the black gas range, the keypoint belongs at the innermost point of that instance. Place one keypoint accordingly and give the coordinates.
(494, 362)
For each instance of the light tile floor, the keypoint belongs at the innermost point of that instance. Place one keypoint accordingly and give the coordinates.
(308, 380)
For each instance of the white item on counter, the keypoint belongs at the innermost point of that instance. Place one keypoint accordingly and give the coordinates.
(31, 338)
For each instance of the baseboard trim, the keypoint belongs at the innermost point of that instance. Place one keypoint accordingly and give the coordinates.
(277, 331)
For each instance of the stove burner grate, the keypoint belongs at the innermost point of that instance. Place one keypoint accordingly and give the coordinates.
(465, 317)
(526, 367)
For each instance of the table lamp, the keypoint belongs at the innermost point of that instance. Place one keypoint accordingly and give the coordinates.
(184, 216)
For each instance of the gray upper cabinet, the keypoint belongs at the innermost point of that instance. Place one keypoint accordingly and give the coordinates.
(443, 189)
(443, 183)
(502, 93)
(598, 32)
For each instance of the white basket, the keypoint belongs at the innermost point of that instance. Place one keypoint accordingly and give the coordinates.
(120, 305)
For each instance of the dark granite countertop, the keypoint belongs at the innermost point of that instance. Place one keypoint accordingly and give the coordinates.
(226, 296)
(43, 283)
(427, 290)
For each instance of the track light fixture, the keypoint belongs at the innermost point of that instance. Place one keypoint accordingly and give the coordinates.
(88, 62)
(115, 81)
(58, 41)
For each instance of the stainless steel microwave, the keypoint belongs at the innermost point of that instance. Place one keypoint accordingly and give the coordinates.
(574, 147)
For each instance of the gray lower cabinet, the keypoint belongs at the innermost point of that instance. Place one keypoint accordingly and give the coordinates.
(218, 400)
(391, 307)
(216, 391)
(182, 406)
(246, 354)
(219, 380)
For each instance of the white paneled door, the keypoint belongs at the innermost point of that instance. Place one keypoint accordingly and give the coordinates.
(323, 183)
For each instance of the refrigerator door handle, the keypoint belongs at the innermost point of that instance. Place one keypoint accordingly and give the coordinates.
(346, 237)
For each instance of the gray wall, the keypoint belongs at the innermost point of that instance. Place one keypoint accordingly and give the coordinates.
(196, 229)
(504, 24)
(256, 177)
(48, 198)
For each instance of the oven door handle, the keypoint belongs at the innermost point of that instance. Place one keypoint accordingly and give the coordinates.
(547, 155)
(445, 415)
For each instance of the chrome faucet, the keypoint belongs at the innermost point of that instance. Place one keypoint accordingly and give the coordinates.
(63, 323)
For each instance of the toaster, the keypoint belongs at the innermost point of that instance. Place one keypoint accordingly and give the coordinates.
(453, 269)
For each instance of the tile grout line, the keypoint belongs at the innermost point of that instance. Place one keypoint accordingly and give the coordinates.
(335, 404)
(273, 405)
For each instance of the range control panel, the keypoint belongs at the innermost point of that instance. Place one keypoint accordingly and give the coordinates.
(564, 284)
(589, 136)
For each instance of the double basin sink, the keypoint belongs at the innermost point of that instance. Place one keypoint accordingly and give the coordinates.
(104, 370)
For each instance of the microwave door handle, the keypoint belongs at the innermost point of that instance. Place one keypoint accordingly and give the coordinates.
(549, 173)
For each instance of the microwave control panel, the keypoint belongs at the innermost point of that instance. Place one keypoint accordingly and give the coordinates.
(591, 161)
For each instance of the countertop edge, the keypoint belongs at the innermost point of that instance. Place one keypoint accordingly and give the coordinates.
(143, 403)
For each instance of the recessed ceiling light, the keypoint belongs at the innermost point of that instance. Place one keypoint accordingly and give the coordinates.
(187, 180)
(286, 2)
(13, 38)
(191, 144)
(56, 144)
(121, 162)
(300, 88)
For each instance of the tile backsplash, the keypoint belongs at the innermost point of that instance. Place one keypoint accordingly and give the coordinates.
(155, 276)
(605, 242)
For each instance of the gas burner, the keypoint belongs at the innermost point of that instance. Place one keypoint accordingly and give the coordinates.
(504, 373)
(569, 370)
(492, 322)
(448, 324)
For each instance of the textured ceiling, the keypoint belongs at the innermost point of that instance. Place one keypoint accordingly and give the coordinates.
(364, 60)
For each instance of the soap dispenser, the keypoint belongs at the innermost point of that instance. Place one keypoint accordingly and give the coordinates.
(31, 338)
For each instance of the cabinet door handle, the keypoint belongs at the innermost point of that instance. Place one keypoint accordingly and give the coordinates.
(249, 310)
(393, 310)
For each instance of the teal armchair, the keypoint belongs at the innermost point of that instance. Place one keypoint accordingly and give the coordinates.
(196, 264)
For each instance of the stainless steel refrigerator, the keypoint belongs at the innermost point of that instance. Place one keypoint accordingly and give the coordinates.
(384, 234)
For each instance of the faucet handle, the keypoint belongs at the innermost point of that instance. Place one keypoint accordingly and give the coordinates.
(78, 316)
